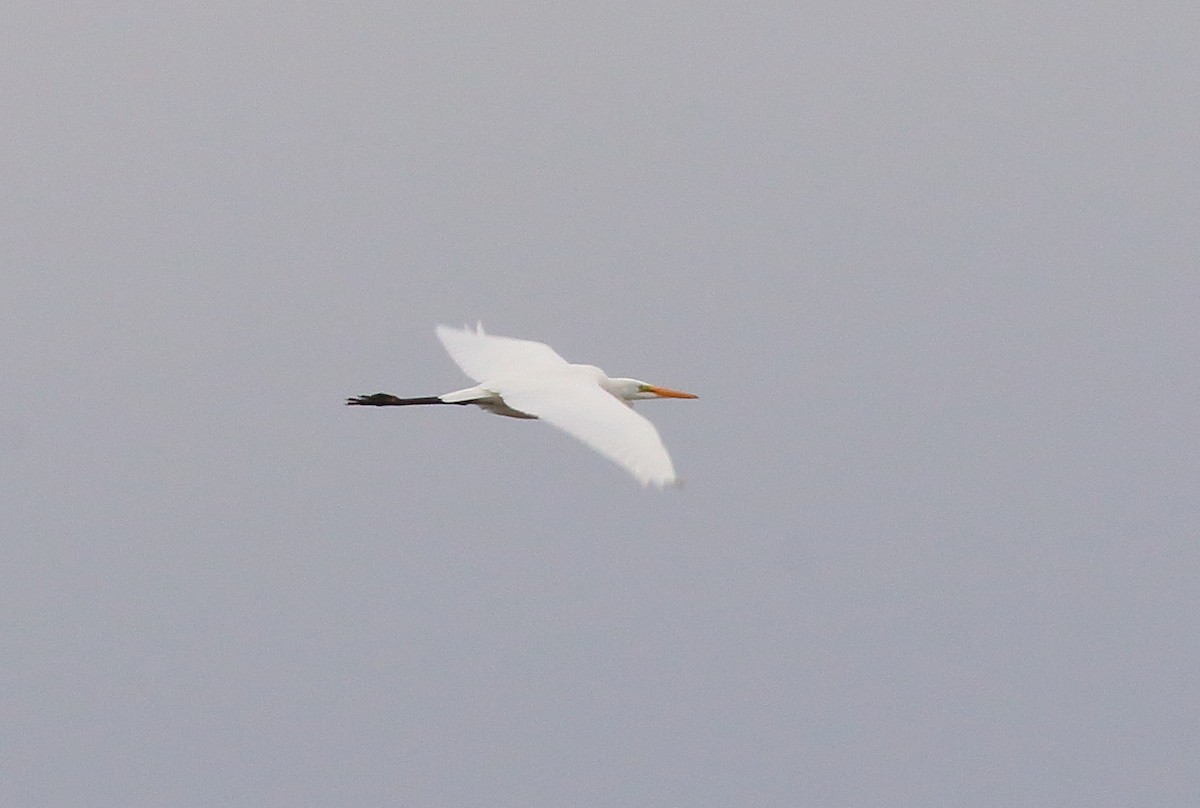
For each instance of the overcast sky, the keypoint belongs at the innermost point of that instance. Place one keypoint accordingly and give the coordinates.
(932, 269)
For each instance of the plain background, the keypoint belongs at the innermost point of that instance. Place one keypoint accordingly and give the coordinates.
(932, 269)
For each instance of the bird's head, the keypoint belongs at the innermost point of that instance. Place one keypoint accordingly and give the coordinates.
(637, 390)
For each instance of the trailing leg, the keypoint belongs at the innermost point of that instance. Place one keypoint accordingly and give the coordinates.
(389, 400)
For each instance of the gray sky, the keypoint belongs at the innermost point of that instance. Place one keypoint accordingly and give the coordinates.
(932, 270)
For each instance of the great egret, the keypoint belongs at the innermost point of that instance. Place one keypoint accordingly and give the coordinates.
(524, 379)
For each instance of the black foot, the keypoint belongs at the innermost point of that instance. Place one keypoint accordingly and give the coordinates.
(376, 400)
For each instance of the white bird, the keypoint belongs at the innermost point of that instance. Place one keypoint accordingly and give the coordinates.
(524, 379)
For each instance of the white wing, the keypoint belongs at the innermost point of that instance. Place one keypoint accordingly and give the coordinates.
(483, 357)
(577, 405)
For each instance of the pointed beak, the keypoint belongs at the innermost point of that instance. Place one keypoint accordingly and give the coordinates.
(666, 392)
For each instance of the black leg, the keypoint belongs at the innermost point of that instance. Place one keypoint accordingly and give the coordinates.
(389, 400)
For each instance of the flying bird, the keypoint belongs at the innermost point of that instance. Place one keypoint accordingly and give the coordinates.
(524, 379)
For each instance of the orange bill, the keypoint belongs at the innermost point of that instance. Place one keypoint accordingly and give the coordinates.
(666, 392)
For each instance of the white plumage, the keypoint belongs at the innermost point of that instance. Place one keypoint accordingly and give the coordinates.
(526, 379)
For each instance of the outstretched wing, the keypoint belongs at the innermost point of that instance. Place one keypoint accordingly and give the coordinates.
(484, 357)
(577, 405)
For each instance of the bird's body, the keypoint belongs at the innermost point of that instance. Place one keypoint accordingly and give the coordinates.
(524, 379)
